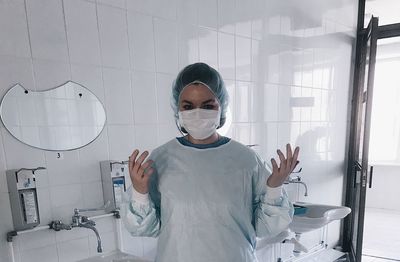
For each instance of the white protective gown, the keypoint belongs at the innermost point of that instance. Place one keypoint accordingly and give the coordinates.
(207, 204)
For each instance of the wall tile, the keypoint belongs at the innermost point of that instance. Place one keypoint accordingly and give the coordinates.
(243, 58)
(45, 213)
(80, 247)
(271, 102)
(3, 167)
(50, 74)
(226, 55)
(92, 194)
(106, 224)
(113, 36)
(62, 171)
(141, 41)
(90, 77)
(14, 70)
(165, 9)
(66, 195)
(46, 254)
(243, 101)
(187, 11)
(164, 87)
(75, 233)
(118, 96)
(243, 18)
(226, 16)
(121, 141)
(82, 32)
(166, 38)
(115, 3)
(208, 15)
(142, 6)
(6, 225)
(208, 47)
(19, 155)
(166, 132)
(47, 30)
(144, 97)
(284, 110)
(28, 241)
(146, 137)
(14, 26)
(91, 155)
(188, 43)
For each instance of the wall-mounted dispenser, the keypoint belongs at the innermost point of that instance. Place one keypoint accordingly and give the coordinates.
(114, 177)
(23, 197)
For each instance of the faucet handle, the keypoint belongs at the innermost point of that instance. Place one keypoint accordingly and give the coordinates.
(87, 221)
(291, 179)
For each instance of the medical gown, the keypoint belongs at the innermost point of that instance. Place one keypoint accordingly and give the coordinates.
(207, 204)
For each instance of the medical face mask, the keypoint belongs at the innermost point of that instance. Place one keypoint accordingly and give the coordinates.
(200, 123)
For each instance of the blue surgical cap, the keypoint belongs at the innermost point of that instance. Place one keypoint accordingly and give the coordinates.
(204, 74)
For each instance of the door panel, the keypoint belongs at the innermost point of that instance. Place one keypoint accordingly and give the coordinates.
(359, 141)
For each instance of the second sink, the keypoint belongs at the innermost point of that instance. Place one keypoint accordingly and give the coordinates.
(316, 216)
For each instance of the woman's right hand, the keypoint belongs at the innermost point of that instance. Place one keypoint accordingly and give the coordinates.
(140, 172)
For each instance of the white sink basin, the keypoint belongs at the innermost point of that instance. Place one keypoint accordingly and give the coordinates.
(114, 256)
(316, 216)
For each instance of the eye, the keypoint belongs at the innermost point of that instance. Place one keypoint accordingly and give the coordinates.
(209, 106)
(187, 107)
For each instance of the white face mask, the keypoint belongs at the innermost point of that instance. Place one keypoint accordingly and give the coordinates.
(200, 123)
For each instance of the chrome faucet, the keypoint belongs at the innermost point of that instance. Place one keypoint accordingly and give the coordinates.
(297, 180)
(83, 221)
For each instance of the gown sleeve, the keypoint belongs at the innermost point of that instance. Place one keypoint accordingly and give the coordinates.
(141, 212)
(272, 210)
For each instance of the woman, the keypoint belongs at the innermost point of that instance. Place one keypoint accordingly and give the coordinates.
(206, 196)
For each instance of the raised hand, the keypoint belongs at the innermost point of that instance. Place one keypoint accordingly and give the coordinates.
(286, 166)
(140, 172)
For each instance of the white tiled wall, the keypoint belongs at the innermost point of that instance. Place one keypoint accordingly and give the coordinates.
(128, 51)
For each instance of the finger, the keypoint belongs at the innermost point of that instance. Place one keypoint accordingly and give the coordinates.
(289, 151)
(140, 160)
(132, 159)
(282, 158)
(149, 172)
(143, 168)
(295, 157)
(289, 155)
(147, 164)
(275, 168)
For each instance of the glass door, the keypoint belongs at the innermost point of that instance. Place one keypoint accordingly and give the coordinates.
(359, 140)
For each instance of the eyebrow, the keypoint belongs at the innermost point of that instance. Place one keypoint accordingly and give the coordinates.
(205, 102)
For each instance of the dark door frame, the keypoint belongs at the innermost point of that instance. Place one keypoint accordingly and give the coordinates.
(385, 31)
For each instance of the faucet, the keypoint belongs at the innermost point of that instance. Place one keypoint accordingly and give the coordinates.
(83, 221)
(297, 180)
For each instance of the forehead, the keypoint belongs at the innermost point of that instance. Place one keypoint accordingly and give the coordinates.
(196, 92)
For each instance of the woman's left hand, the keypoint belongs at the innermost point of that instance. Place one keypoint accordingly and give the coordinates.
(287, 165)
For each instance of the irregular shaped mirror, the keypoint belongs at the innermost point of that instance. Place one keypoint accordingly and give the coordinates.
(66, 117)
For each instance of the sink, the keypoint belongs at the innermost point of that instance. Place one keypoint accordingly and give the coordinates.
(114, 256)
(316, 216)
